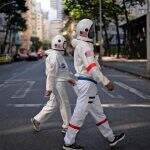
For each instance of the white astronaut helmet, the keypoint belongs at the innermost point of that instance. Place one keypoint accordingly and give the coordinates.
(85, 30)
(59, 43)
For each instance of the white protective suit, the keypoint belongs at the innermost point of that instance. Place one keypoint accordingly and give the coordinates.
(57, 73)
(88, 73)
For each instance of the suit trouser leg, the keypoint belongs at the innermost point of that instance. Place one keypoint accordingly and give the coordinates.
(63, 99)
(96, 111)
(78, 117)
(47, 110)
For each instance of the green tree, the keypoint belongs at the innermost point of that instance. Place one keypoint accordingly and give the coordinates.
(46, 45)
(36, 44)
(79, 9)
(128, 39)
(13, 16)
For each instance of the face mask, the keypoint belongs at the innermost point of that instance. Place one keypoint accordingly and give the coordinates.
(91, 32)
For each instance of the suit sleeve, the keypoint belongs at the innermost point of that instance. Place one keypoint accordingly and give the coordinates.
(92, 66)
(50, 74)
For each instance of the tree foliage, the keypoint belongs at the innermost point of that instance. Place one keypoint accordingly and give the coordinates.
(36, 44)
(79, 9)
(13, 17)
(13, 13)
(46, 45)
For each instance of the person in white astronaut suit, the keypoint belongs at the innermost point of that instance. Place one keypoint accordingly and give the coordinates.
(89, 74)
(58, 76)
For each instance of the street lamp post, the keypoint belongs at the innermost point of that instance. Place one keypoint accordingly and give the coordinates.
(7, 4)
(100, 33)
(148, 36)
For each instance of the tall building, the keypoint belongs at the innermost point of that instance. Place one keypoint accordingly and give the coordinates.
(53, 4)
(39, 21)
(26, 36)
(58, 6)
(56, 27)
(46, 26)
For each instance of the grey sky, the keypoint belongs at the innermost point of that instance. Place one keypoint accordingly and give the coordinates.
(46, 6)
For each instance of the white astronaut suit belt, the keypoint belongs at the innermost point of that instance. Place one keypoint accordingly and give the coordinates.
(86, 78)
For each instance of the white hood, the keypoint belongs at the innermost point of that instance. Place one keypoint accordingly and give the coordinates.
(74, 42)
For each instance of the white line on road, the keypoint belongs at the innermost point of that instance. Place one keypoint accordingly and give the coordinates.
(120, 76)
(1, 85)
(131, 126)
(22, 93)
(112, 96)
(28, 128)
(25, 71)
(133, 90)
(25, 105)
(111, 105)
(121, 105)
(55, 126)
(127, 126)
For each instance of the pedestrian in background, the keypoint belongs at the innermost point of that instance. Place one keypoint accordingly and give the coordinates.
(58, 76)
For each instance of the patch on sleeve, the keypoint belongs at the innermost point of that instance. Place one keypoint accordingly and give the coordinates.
(51, 66)
(89, 53)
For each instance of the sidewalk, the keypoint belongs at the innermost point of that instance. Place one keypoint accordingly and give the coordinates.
(135, 67)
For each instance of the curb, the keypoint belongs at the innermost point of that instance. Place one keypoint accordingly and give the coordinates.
(121, 70)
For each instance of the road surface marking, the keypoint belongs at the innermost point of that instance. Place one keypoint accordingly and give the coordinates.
(111, 105)
(126, 126)
(121, 76)
(112, 96)
(121, 105)
(25, 71)
(132, 90)
(129, 126)
(21, 93)
(55, 126)
(135, 80)
(1, 85)
(28, 128)
(25, 105)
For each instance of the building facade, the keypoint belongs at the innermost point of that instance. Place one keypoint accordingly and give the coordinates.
(38, 24)
(26, 36)
(58, 6)
(55, 27)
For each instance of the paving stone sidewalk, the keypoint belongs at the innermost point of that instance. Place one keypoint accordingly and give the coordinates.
(135, 67)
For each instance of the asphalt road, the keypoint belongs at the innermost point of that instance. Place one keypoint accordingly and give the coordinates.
(22, 86)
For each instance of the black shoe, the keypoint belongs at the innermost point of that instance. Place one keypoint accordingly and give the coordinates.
(117, 139)
(35, 124)
(64, 130)
(72, 147)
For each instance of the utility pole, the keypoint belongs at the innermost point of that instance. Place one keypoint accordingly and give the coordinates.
(100, 33)
(148, 36)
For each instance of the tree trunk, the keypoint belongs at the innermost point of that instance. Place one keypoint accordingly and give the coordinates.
(6, 35)
(118, 35)
(107, 50)
(129, 36)
(10, 42)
